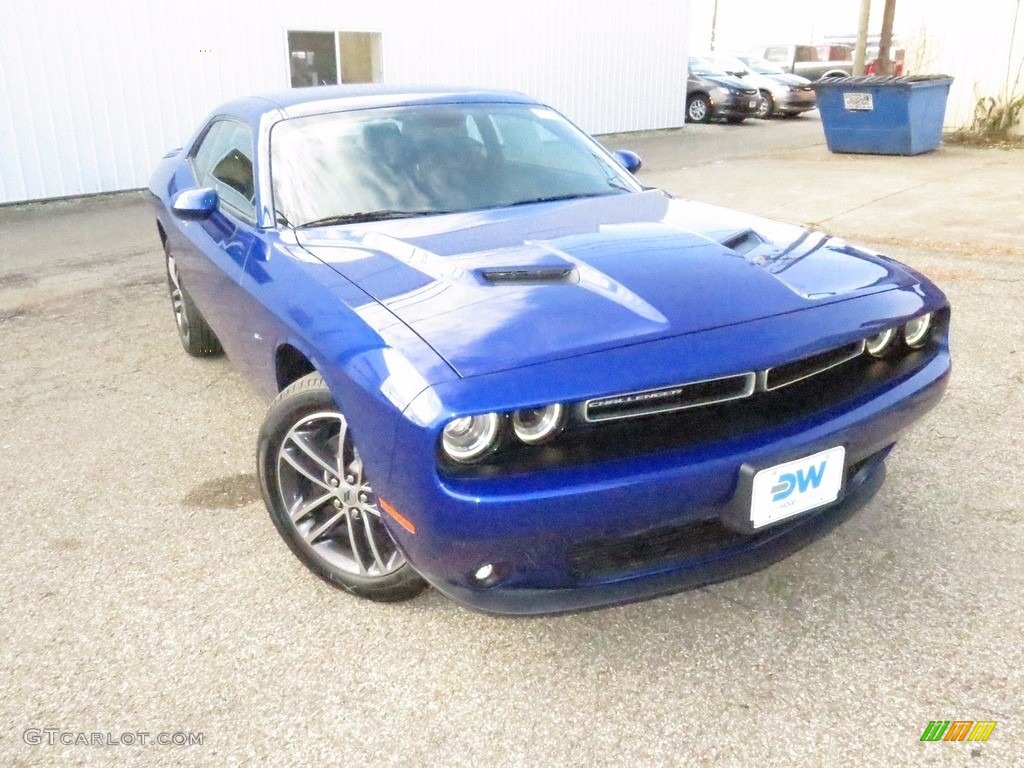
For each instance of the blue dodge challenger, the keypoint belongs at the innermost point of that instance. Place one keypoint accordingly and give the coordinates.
(502, 367)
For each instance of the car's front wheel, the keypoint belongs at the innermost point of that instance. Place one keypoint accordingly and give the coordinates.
(767, 106)
(320, 499)
(698, 108)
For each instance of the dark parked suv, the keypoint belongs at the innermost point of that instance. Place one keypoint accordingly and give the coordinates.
(710, 92)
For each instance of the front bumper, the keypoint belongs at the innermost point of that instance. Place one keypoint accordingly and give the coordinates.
(796, 101)
(532, 529)
(736, 106)
(759, 552)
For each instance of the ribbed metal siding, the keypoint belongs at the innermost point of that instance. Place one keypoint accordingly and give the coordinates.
(971, 42)
(94, 92)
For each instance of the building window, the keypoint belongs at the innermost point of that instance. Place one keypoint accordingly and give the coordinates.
(313, 58)
(328, 58)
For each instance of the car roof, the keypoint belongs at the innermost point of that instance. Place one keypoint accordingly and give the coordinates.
(295, 102)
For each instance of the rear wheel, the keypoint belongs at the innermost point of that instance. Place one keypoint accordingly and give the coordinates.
(197, 338)
(321, 501)
(698, 108)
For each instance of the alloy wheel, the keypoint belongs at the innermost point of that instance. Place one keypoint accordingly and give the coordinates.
(698, 110)
(330, 502)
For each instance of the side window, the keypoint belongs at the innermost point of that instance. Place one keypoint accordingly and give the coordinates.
(202, 156)
(807, 53)
(224, 161)
(777, 54)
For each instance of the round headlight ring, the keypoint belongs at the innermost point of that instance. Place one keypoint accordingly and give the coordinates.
(878, 345)
(534, 426)
(469, 438)
(915, 332)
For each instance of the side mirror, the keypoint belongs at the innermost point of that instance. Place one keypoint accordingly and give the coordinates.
(629, 160)
(195, 204)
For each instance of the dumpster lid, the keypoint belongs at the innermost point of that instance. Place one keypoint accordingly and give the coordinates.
(883, 80)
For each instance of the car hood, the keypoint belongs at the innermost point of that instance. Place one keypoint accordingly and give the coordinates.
(788, 79)
(753, 79)
(727, 81)
(500, 289)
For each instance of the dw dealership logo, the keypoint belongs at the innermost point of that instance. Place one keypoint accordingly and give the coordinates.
(800, 481)
(958, 730)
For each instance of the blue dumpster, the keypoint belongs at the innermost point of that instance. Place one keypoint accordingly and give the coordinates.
(883, 115)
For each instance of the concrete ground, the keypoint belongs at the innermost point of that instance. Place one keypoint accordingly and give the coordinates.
(144, 588)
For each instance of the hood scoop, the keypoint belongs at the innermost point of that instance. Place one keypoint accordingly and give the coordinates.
(742, 242)
(527, 275)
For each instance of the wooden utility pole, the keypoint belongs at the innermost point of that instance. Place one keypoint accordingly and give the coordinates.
(885, 44)
(862, 38)
(714, 25)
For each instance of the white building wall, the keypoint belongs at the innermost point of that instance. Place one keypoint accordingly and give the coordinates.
(95, 91)
(976, 43)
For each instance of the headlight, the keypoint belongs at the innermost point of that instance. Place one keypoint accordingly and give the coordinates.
(468, 438)
(915, 333)
(718, 92)
(878, 345)
(538, 425)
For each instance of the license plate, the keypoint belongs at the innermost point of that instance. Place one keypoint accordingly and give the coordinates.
(753, 103)
(797, 486)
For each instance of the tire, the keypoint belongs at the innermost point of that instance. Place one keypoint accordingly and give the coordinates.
(767, 107)
(698, 109)
(320, 501)
(196, 337)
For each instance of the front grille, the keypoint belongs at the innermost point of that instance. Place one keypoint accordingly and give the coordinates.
(583, 444)
(679, 542)
(652, 421)
(790, 373)
(667, 399)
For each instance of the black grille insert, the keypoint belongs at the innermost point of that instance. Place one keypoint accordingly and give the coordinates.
(674, 398)
(790, 373)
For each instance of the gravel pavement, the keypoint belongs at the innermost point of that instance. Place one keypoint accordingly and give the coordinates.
(144, 588)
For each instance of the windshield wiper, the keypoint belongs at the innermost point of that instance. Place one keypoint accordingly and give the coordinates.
(360, 216)
(556, 198)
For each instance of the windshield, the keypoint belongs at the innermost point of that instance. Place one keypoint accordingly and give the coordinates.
(431, 159)
(732, 65)
(762, 67)
(705, 67)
